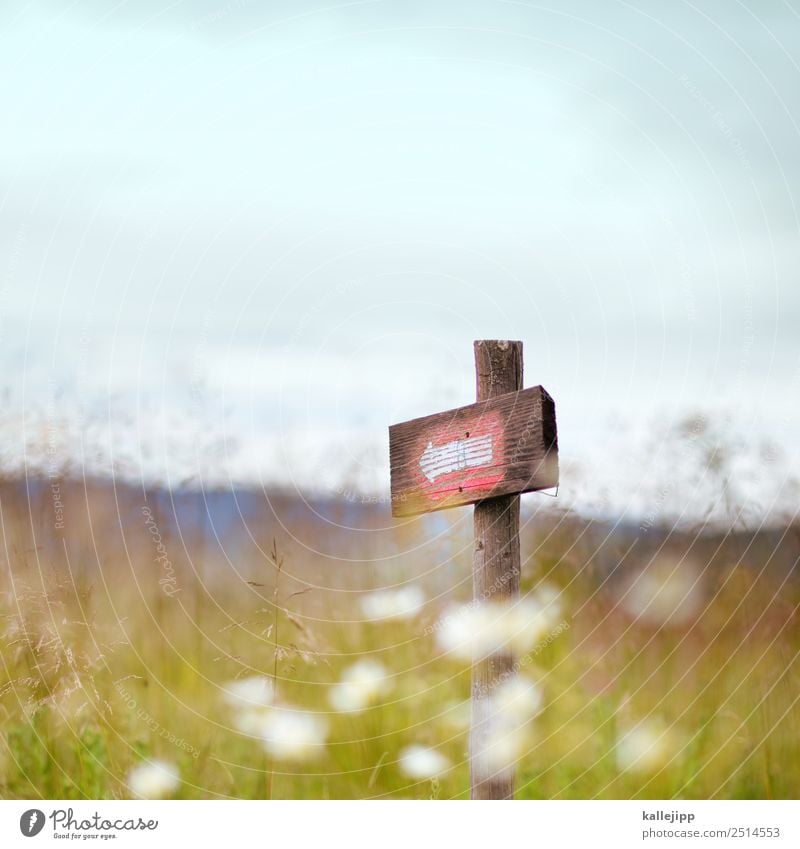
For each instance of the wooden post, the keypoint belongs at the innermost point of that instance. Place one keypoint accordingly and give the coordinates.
(485, 454)
(496, 570)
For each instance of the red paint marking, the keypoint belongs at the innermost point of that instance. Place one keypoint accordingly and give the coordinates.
(486, 482)
(464, 479)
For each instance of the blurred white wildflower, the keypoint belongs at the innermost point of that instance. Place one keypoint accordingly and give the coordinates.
(478, 629)
(665, 592)
(153, 779)
(361, 685)
(393, 604)
(291, 734)
(505, 744)
(248, 693)
(644, 747)
(250, 720)
(421, 762)
(517, 700)
(506, 723)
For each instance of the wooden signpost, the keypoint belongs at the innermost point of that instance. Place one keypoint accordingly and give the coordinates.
(484, 454)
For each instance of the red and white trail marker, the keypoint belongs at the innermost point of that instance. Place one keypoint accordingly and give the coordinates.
(498, 447)
(455, 456)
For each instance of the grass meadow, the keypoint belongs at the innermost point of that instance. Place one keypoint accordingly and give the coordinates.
(140, 660)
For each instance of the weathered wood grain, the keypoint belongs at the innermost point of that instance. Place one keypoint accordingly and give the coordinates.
(496, 559)
(502, 445)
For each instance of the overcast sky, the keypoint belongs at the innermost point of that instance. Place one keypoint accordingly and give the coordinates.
(272, 229)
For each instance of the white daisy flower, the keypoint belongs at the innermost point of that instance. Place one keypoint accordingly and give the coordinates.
(362, 684)
(505, 724)
(478, 629)
(469, 631)
(153, 779)
(643, 747)
(504, 745)
(517, 700)
(532, 618)
(393, 604)
(290, 734)
(665, 593)
(421, 762)
(248, 693)
(249, 721)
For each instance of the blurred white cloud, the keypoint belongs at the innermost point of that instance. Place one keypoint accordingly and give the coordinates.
(284, 226)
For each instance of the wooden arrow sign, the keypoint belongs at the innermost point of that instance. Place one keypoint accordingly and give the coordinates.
(498, 447)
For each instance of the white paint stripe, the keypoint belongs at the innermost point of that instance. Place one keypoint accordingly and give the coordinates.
(455, 456)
